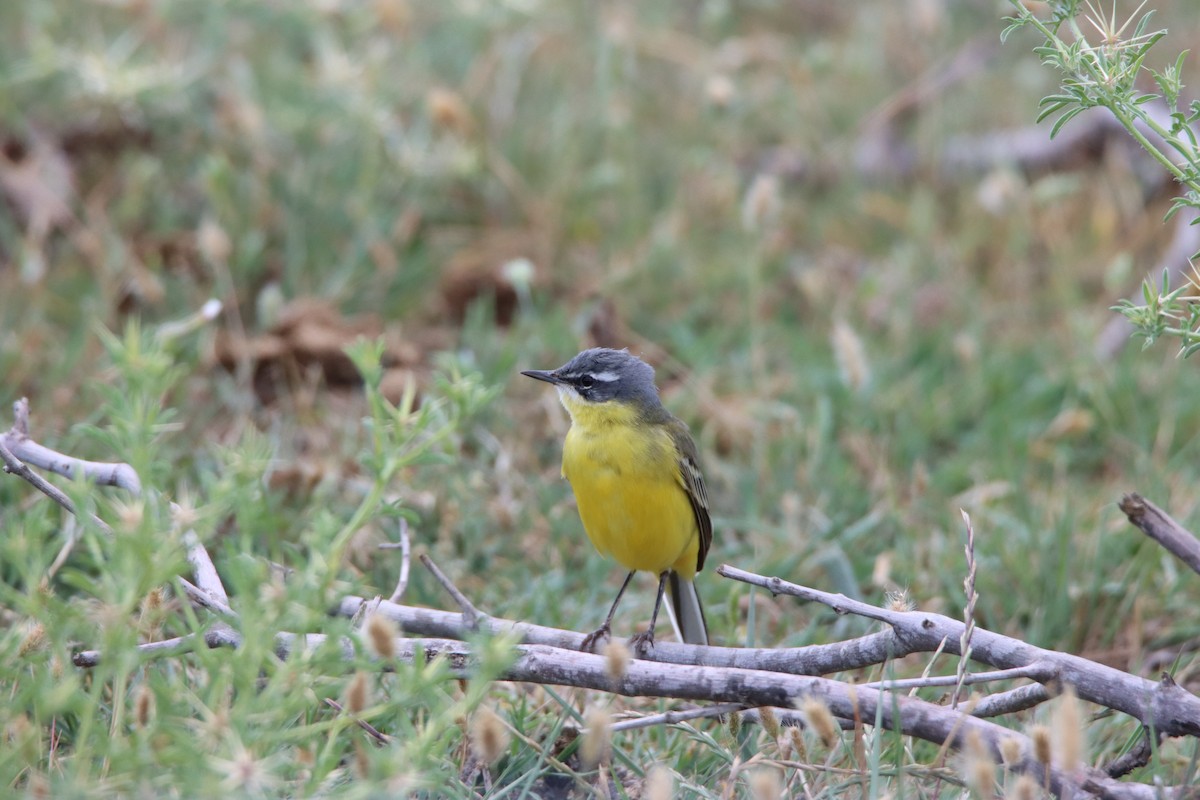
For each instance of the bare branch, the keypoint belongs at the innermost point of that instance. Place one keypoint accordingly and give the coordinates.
(102, 473)
(821, 659)
(14, 466)
(405, 559)
(1012, 701)
(675, 717)
(218, 636)
(1163, 707)
(907, 715)
(1158, 525)
(1138, 756)
(1038, 672)
(206, 600)
(203, 568)
(471, 616)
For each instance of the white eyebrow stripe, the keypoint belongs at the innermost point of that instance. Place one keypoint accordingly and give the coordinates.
(604, 377)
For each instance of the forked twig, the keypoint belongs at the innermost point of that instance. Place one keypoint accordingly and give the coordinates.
(470, 614)
(14, 466)
(99, 472)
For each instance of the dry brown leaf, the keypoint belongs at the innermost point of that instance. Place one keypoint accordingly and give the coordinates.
(39, 181)
(486, 267)
(311, 334)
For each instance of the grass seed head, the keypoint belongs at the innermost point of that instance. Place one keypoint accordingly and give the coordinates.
(762, 203)
(1025, 787)
(851, 356)
(659, 784)
(1041, 744)
(820, 720)
(765, 784)
(489, 736)
(769, 722)
(34, 640)
(1010, 751)
(356, 693)
(616, 660)
(143, 706)
(382, 633)
(1068, 729)
(734, 723)
(978, 767)
(597, 738)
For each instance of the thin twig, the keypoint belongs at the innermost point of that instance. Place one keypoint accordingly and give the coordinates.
(206, 599)
(380, 738)
(405, 558)
(71, 535)
(1034, 672)
(675, 717)
(470, 614)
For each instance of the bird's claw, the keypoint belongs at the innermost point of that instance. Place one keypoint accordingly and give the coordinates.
(642, 643)
(596, 637)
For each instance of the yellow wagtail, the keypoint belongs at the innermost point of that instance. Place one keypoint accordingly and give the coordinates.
(633, 468)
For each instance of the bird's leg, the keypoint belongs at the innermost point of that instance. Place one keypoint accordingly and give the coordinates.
(604, 631)
(643, 643)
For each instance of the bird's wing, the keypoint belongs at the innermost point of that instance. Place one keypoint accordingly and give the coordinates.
(693, 484)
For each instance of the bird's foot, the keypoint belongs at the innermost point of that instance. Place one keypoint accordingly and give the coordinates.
(596, 639)
(642, 643)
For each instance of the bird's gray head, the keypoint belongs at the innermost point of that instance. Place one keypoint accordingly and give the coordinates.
(600, 374)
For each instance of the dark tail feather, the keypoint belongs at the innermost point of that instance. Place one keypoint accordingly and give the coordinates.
(686, 612)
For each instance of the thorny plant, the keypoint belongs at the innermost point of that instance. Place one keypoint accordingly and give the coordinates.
(1104, 74)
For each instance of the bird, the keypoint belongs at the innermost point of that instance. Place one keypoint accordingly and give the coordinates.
(634, 470)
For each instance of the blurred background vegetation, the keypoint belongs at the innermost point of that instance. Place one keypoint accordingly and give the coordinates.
(493, 186)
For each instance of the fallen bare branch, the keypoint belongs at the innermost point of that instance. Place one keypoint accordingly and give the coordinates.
(820, 659)
(218, 636)
(907, 715)
(14, 466)
(26, 449)
(1158, 525)
(1164, 707)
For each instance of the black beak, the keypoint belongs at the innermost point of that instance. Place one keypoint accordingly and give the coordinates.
(542, 375)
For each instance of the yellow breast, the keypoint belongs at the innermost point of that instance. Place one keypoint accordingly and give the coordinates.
(625, 474)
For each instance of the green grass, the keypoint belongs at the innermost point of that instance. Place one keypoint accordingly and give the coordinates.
(357, 152)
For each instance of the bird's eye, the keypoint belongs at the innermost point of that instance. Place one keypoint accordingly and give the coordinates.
(587, 382)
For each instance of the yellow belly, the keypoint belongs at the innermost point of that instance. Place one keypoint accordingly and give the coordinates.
(631, 499)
